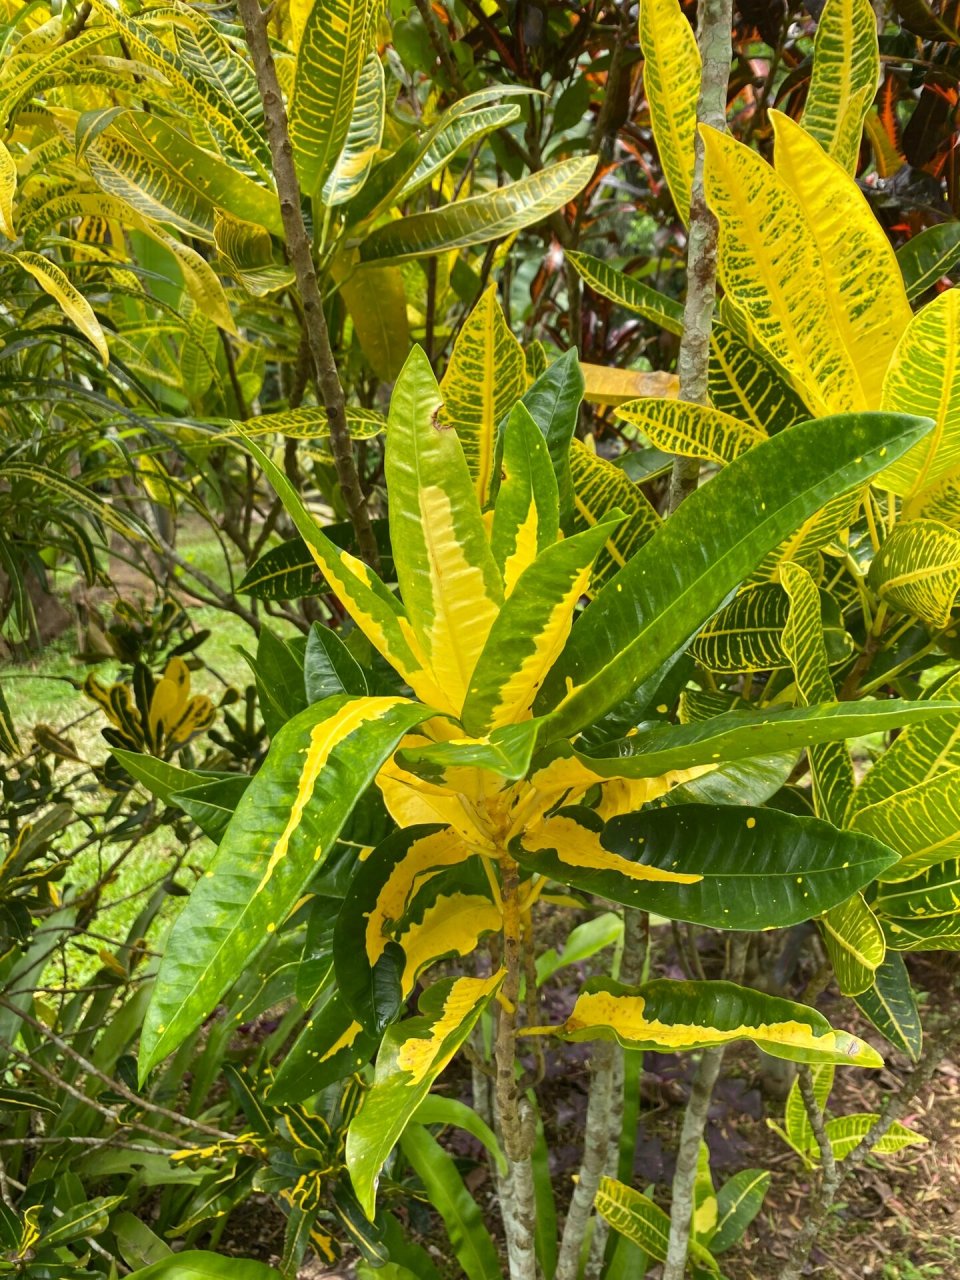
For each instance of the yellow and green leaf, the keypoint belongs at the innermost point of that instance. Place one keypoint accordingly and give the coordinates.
(671, 81)
(917, 570)
(854, 942)
(598, 488)
(362, 141)
(846, 73)
(526, 516)
(692, 430)
(668, 1016)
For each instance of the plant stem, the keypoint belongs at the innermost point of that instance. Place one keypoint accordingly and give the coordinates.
(691, 1135)
(515, 1117)
(716, 20)
(596, 1151)
(829, 1179)
(325, 373)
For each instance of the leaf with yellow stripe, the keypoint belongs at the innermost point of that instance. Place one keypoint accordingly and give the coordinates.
(921, 823)
(598, 488)
(363, 137)
(746, 635)
(804, 545)
(846, 73)
(746, 384)
(728, 867)
(854, 942)
(374, 908)
(449, 582)
(286, 822)
(638, 1219)
(667, 1016)
(891, 1006)
(939, 934)
(526, 516)
(8, 189)
(53, 281)
(692, 430)
(771, 267)
(412, 1055)
(865, 295)
(331, 1046)
(531, 629)
(374, 608)
(486, 376)
(634, 295)
(331, 58)
(671, 82)
(925, 373)
(917, 570)
(847, 1132)
(934, 892)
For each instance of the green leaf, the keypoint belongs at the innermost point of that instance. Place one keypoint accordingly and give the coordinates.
(750, 868)
(458, 133)
(929, 256)
(435, 1109)
(197, 1264)
(553, 401)
(412, 1055)
(921, 823)
(581, 944)
(469, 1239)
(286, 821)
(278, 671)
(741, 734)
(526, 517)
(668, 1016)
(669, 588)
(329, 667)
(285, 572)
(377, 302)
(746, 634)
(633, 295)
(157, 776)
(739, 1201)
(846, 72)
(331, 1046)
(212, 804)
(330, 63)
(479, 219)
(854, 942)
(935, 891)
(81, 1221)
(892, 1007)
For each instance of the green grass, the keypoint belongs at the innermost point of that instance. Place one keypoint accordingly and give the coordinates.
(46, 690)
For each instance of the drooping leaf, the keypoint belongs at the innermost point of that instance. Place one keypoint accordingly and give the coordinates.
(846, 72)
(679, 578)
(412, 1055)
(331, 1046)
(669, 1016)
(745, 868)
(286, 821)
(375, 297)
(364, 134)
(635, 1217)
(739, 1201)
(921, 823)
(53, 281)
(891, 1006)
(854, 942)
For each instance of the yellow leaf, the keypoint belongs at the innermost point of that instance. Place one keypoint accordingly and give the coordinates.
(70, 300)
(671, 80)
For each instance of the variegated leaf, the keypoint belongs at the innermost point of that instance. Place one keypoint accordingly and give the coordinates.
(925, 373)
(920, 822)
(671, 81)
(598, 488)
(484, 379)
(364, 135)
(847, 1132)
(448, 579)
(892, 1007)
(53, 281)
(917, 570)
(935, 891)
(692, 430)
(846, 72)
(287, 820)
(526, 517)
(864, 291)
(8, 189)
(668, 1016)
(331, 58)
(412, 1055)
(854, 942)
(452, 138)
(746, 634)
(634, 295)
(804, 645)
(638, 1219)
(746, 385)
(531, 629)
(481, 218)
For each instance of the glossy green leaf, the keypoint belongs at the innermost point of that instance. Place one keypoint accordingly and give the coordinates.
(329, 667)
(287, 820)
(452, 138)
(928, 257)
(921, 823)
(739, 1201)
(669, 588)
(751, 868)
(469, 1239)
(891, 1006)
(435, 1109)
(748, 386)
(331, 1046)
(668, 1016)
(198, 1264)
(553, 402)
(628, 292)
(285, 572)
(526, 515)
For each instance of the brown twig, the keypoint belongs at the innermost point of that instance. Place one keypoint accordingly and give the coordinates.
(325, 373)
